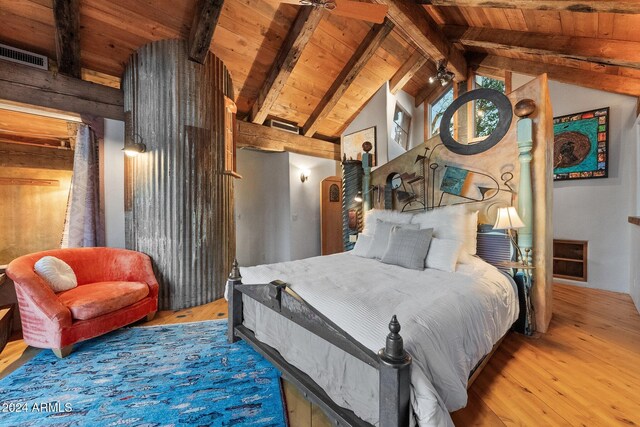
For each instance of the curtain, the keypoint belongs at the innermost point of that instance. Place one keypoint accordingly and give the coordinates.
(83, 225)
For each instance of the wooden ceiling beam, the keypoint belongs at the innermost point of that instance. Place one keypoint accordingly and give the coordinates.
(66, 15)
(299, 35)
(586, 6)
(29, 156)
(252, 135)
(33, 86)
(591, 79)
(604, 51)
(417, 26)
(363, 53)
(406, 72)
(204, 24)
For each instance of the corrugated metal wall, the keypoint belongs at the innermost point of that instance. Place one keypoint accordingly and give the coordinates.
(179, 206)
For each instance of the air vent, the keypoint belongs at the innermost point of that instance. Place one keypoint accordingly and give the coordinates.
(276, 124)
(23, 57)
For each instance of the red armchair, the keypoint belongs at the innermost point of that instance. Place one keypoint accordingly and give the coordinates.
(110, 294)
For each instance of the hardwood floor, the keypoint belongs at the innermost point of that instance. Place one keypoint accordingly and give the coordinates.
(584, 372)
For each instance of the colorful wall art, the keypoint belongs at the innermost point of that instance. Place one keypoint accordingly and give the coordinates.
(581, 144)
(352, 144)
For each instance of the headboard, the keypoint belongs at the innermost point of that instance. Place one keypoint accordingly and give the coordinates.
(434, 176)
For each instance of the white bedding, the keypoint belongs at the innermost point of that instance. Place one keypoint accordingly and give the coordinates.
(449, 322)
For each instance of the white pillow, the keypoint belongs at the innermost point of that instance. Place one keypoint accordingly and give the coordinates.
(453, 223)
(381, 237)
(443, 254)
(362, 245)
(56, 273)
(386, 215)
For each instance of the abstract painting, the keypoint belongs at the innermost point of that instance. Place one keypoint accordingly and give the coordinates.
(581, 145)
(352, 145)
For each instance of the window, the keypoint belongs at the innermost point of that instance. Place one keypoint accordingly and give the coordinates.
(485, 114)
(401, 127)
(436, 110)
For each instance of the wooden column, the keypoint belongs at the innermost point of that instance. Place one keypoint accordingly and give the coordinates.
(179, 207)
(525, 192)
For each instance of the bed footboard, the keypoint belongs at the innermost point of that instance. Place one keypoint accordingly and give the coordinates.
(392, 361)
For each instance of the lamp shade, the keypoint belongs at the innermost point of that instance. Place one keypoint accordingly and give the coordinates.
(507, 219)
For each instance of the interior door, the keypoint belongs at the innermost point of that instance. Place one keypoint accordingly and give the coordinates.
(331, 215)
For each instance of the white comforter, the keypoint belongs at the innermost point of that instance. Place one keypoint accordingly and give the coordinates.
(449, 322)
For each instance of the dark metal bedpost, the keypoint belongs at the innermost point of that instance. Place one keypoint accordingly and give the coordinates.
(395, 380)
(235, 302)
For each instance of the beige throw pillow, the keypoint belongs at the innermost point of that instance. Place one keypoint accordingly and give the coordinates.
(56, 273)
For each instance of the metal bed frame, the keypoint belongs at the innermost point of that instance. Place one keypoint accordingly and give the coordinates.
(392, 361)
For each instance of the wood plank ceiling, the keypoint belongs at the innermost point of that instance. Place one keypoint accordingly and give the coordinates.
(250, 34)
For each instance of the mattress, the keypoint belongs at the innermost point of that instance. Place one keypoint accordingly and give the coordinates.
(449, 322)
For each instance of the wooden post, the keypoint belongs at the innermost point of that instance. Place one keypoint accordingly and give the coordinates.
(235, 302)
(395, 380)
(525, 191)
(366, 178)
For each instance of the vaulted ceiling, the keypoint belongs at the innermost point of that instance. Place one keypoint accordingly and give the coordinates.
(598, 49)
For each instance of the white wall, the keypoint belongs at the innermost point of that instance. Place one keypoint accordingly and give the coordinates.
(379, 112)
(262, 207)
(373, 114)
(634, 250)
(305, 203)
(277, 215)
(114, 183)
(597, 210)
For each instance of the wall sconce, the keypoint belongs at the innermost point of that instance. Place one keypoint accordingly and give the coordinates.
(132, 148)
(304, 175)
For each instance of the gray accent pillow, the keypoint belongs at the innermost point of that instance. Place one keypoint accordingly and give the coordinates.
(408, 248)
(381, 237)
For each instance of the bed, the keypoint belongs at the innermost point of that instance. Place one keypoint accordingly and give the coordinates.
(449, 322)
(378, 344)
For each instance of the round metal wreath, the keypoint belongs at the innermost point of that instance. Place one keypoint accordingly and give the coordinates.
(505, 114)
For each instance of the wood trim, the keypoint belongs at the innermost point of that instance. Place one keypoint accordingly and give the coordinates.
(406, 72)
(32, 86)
(571, 75)
(66, 14)
(358, 61)
(417, 26)
(608, 51)
(251, 135)
(30, 181)
(634, 220)
(476, 372)
(290, 52)
(204, 24)
(585, 6)
(28, 156)
(508, 82)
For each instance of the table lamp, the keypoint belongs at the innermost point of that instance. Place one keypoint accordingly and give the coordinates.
(508, 219)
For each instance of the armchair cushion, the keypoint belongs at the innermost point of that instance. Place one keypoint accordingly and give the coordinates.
(95, 299)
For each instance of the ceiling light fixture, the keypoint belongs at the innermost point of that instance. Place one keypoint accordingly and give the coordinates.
(324, 4)
(443, 75)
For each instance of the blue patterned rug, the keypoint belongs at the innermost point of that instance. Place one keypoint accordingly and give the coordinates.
(177, 375)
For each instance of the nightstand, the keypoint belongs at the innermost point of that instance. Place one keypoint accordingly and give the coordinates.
(526, 323)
